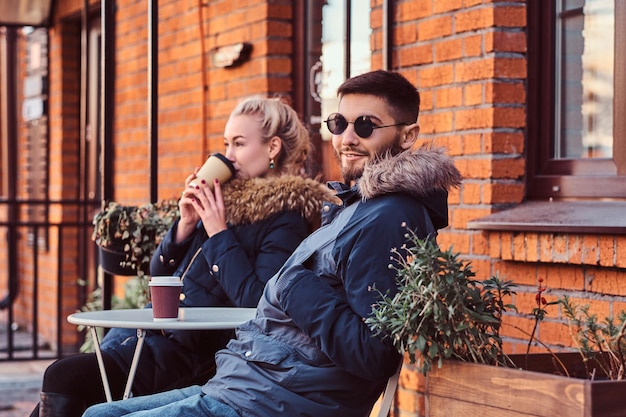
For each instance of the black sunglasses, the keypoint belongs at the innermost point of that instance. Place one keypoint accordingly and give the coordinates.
(363, 125)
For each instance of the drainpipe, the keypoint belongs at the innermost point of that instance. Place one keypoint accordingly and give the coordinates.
(8, 93)
(153, 96)
(84, 166)
(107, 83)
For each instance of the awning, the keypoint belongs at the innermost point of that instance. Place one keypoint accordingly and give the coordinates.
(25, 12)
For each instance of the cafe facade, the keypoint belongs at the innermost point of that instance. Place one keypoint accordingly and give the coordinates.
(119, 100)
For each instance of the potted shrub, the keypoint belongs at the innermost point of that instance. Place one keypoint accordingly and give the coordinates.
(448, 325)
(127, 236)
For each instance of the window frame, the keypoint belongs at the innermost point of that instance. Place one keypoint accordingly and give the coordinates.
(569, 178)
(307, 48)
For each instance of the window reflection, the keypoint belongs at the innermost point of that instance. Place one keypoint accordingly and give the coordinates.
(585, 55)
(360, 34)
(332, 65)
(332, 59)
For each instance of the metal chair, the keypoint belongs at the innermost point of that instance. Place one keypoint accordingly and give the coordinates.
(389, 393)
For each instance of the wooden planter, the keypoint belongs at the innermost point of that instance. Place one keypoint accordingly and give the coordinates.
(465, 389)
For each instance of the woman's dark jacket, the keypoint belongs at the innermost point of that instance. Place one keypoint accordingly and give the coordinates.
(267, 218)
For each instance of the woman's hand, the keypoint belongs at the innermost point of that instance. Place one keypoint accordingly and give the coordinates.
(189, 217)
(209, 206)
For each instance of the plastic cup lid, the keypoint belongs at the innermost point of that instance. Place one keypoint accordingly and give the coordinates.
(226, 162)
(166, 281)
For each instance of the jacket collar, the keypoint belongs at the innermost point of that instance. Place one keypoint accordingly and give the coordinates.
(426, 174)
(418, 173)
(254, 200)
(344, 192)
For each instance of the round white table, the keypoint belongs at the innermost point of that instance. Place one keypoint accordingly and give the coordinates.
(198, 318)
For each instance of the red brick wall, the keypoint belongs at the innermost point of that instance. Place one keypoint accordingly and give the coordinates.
(195, 98)
(194, 101)
(64, 53)
(468, 60)
(130, 126)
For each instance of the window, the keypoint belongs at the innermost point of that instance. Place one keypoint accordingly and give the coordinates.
(345, 50)
(576, 99)
(333, 41)
(35, 120)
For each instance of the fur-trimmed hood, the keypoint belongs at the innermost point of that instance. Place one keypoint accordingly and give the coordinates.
(418, 173)
(426, 173)
(256, 199)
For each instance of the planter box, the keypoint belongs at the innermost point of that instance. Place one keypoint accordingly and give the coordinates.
(466, 389)
(111, 259)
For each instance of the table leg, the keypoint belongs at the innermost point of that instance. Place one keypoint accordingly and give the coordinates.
(103, 372)
(141, 335)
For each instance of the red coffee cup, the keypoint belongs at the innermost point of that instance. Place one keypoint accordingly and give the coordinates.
(165, 295)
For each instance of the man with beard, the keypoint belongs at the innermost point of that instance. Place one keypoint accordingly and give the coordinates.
(308, 351)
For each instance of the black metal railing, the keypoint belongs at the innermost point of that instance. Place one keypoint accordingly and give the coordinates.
(38, 257)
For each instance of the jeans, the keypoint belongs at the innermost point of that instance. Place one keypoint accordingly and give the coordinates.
(185, 402)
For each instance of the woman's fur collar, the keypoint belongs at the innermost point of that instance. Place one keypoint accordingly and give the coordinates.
(417, 173)
(254, 200)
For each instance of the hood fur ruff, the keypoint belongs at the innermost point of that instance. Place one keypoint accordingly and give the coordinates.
(417, 173)
(256, 199)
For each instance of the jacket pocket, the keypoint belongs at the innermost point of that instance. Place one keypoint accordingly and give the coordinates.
(259, 349)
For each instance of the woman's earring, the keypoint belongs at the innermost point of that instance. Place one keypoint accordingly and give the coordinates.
(272, 163)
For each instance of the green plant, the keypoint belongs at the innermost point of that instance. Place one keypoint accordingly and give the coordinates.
(439, 311)
(135, 230)
(599, 342)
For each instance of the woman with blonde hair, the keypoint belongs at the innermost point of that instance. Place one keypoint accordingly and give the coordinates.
(228, 243)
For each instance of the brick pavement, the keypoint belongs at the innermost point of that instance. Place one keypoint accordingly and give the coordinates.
(20, 382)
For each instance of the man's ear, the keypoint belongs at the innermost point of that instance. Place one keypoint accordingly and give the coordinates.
(274, 146)
(409, 135)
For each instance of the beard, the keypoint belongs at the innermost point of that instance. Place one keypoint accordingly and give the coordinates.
(353, 171)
